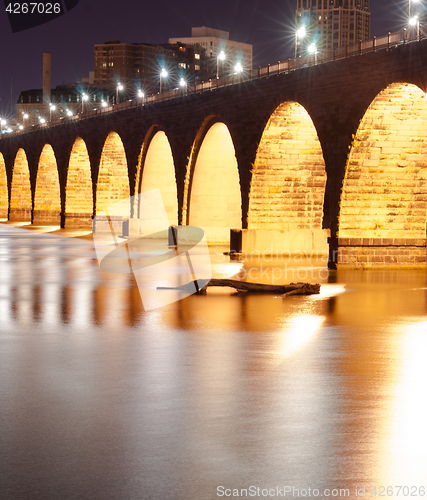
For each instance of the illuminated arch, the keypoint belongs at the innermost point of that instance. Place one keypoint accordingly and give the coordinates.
(289, 176)
(20, 192)
(215, 202)
(4, 196)
(384, 192)
(158, 171)
(47, 198)
(78, 191)
(113, 178)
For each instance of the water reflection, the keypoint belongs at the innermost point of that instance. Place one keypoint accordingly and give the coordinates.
(226, 388)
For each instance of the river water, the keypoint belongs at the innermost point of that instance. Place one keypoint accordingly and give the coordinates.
(213, 396)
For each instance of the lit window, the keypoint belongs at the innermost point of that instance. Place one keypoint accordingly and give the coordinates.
(196, 56)
(182, 65)
(196, 67)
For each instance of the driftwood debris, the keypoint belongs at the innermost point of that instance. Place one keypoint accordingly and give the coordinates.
(242, 286)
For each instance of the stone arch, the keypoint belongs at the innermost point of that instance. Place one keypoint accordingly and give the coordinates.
(384, 194)
(289, 176)
(384, 190)
(113, 178)
(214, 200)
(156, 169)
(47, 197)
(79, 188)
(20, 192)
(4, 195)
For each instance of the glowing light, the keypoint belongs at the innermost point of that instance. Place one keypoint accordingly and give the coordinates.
(104, 104)
(140, 93)
(25, 116)
(85, 97)
(408, 438)
(42, 120)
(163, 73)
(221, 56)
(119, 86)
(3, 121)
(182, 82)
(69, 113)
(413, 21)
(312, 48)
(52, 106)
(299, 331)
(300, 32)
(21, 127)
(238, 68)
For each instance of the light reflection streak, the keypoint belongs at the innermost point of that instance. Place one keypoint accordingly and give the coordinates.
(330, 291)
(407, 442)
(298, 331)
(227, 270)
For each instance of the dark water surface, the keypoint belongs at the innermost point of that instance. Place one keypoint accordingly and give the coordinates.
(102, 400)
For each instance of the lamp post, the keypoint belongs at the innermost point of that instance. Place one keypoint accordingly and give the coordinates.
(313, 50)
(119, 87)
(85, 97)
(409, 7)
(415, 21)
(221, 57)
(141, 95)
(299, 33)
(238, 69)
(52, 107)
(163, 74)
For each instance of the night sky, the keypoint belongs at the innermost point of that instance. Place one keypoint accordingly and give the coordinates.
(266, 24)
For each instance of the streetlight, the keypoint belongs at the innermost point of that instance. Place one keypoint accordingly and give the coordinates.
(238, 69)
(119, 87)
(52, 107)
(69, 112)
(141, 95)
(299, 33)
(104, 104)
(221, 57)
(3, 122)
(415, 21)
(163, 74)
(313, 50)
(409, 7)
(85, 97)
(42, 120)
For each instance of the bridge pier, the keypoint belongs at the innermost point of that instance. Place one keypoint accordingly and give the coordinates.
(81, 221)
(20, 214)
(301, 242)
(381, 252)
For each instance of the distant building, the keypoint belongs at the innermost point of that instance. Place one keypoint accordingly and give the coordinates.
(71, 98)
(138, 66)
(332, 23)
(214, 42)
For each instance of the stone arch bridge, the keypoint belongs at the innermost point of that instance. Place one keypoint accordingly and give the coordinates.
(328, 157)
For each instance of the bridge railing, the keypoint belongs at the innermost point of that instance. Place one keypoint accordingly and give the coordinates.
(324, 56)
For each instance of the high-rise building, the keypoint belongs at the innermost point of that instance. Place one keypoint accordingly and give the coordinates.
(331, 23)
